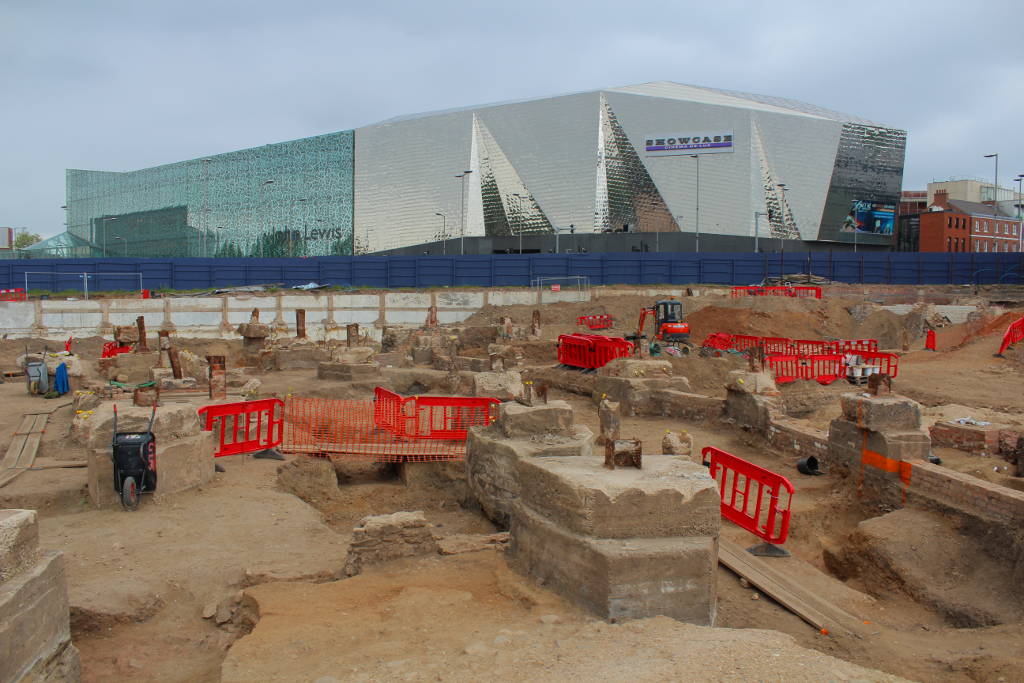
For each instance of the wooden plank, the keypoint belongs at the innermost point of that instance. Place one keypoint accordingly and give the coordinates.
(21, 454)
(61, 465)
(813, 609)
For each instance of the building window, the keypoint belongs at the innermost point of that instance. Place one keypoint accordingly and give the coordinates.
(949, 244)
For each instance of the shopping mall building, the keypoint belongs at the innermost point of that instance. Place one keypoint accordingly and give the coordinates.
(658, 165)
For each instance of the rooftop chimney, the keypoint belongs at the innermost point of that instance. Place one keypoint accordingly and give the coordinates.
(941, 199)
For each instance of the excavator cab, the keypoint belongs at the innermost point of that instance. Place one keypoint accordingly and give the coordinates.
(668, 311)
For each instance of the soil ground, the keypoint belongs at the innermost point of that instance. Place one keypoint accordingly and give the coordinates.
(141, 582)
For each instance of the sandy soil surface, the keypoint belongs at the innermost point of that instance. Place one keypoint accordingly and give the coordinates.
(141, 582)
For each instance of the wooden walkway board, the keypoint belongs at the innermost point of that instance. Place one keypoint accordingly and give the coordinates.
(816, 611)
(21, 454)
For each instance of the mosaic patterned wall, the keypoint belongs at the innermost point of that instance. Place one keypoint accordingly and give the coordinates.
(291, 198)
(869, 169)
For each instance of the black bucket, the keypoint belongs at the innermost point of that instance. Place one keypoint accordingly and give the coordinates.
(808, 466)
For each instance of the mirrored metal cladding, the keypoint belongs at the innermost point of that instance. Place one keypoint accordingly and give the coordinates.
(528, 167)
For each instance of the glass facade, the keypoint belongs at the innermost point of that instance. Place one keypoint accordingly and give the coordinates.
(291, 198)
(789, 170)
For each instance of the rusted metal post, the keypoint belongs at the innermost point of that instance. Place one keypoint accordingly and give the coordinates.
(623, 453)
(172, 355)
(141, 346)
(351, 334)
(218, 376)
(300, 323)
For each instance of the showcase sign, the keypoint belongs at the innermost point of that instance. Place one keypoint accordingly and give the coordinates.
(688, 143)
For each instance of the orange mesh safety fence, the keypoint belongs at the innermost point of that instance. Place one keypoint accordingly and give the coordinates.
(1014, 334)
(390, 428)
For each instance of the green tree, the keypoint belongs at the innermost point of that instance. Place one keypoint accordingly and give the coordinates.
(25, 239)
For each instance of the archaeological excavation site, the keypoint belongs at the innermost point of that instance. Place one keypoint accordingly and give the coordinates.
(791, 483)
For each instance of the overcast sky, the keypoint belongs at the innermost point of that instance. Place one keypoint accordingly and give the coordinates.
(122, 85)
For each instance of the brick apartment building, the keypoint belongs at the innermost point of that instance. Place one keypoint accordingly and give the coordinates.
(952, 225)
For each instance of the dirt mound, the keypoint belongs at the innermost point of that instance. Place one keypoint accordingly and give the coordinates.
(925, 556)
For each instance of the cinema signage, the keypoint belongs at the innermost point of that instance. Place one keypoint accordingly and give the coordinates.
(688, 143)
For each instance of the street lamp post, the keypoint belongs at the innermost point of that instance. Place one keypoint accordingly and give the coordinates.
(1020, 223)
(757, 227)
(444, 232)
(462, 211)
(995, 185)
(696, 234)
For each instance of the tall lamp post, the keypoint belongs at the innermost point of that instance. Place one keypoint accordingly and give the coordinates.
(462, 211)
(1020, 223)
(995, 184)
(696, 234)
(444, 232)
(757, 227)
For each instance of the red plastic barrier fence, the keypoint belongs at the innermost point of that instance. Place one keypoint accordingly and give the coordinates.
(929, 340)
(17, 294)
(827, 368)
(857, 345)
(111, 349)
(887, 363)
(752, 497)
(810, 347)
(807, 292)
(743, 342)
(591, 351)
(786, 367)
(718, 340)
(245, 427)
(431, 417)
(1014, 333)
(595, 322)
(780, 345)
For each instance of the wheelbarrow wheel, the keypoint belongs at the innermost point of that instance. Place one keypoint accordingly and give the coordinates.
(129, 493)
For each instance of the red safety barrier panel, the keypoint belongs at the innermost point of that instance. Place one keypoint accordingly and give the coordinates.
(786, 367)
(887, 363)
(806, 292)
(245, 427)
(827, 368)
(753, 498)
(595, 322)
(810, 347)
(779, 345)
(17, 294)
(929, 340)
(718, 340)
(744, 342)
(111, 349)
(391, 428)
(1014, 333)
(857, 345)
(591, 351)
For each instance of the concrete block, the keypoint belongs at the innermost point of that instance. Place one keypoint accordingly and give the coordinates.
(380, 538)
(301, 358)
(881, 413)
(95, 429)
(966, 437)
(19, 541)
(355, 354)
(752, 383)
(347, 372)
(184, 464)
(516, 420)
(752, 411)
(254, 330)
(100, 473)
(171, 384)
(637, 395)
(618, 578)
(491, 471)
(668, 497)
(501, 385)
(33, 616)
(423, 356)
(632, 368)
